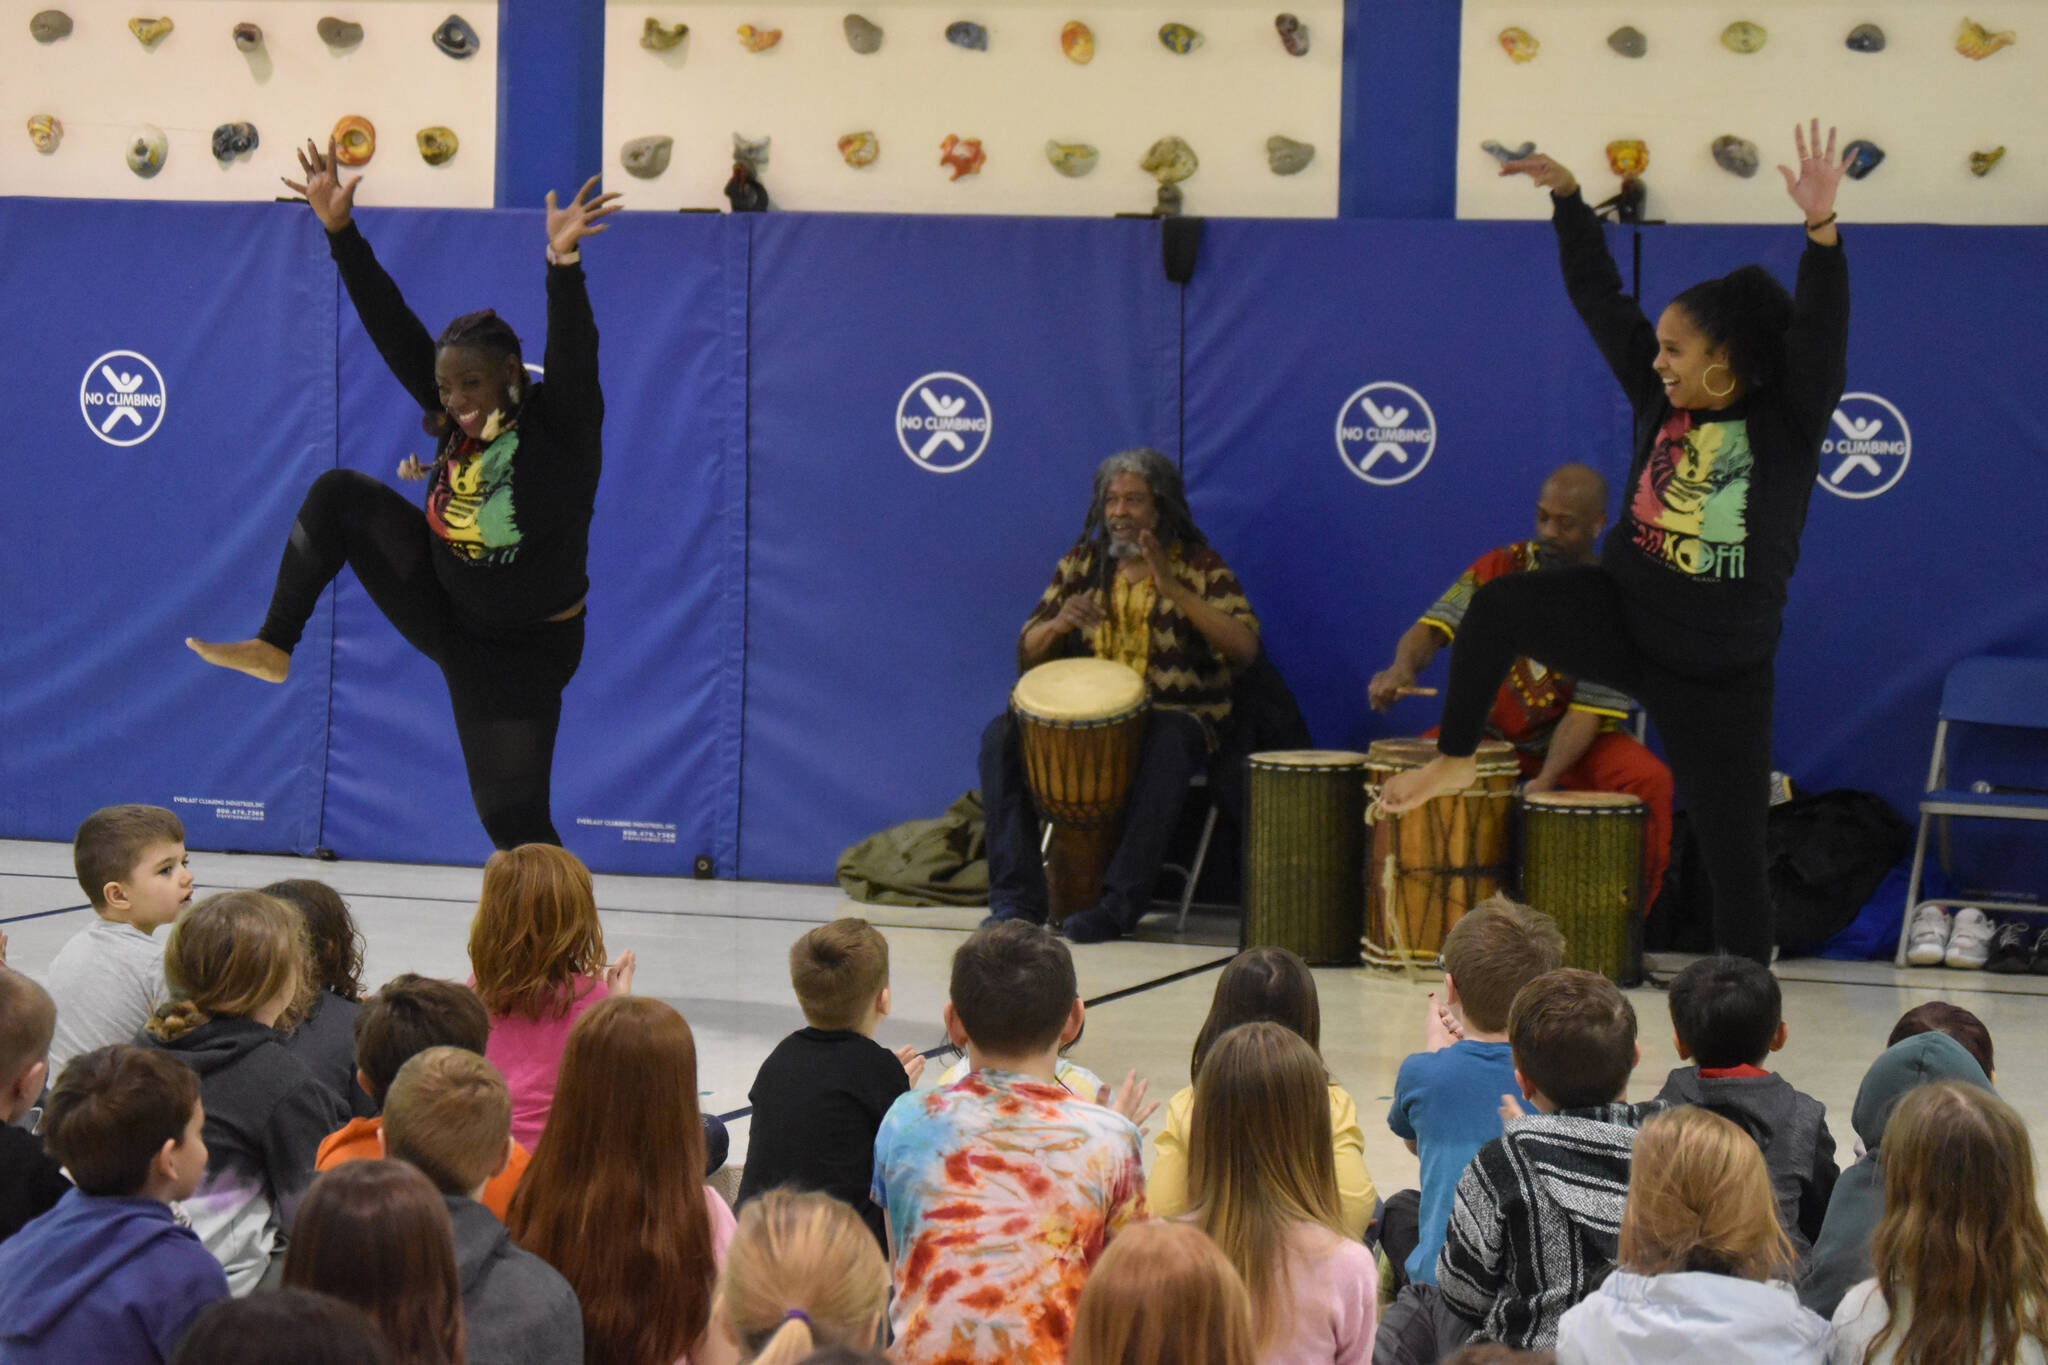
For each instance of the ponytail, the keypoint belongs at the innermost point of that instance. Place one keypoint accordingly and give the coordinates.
(789, 1343)
(1749, 312)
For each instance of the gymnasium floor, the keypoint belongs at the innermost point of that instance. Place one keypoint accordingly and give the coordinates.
(716, 950)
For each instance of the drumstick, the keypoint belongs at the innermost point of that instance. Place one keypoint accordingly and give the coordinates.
(1416, 692)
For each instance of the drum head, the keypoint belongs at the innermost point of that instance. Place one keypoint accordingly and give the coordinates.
(1580, 800)
(1308, 758)
(1071, 690)
(1397, 754)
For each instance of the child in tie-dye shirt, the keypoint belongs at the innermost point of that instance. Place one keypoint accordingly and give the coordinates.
(1002, 1189)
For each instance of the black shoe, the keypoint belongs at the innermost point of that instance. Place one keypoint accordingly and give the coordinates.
(1092, 926)
(2011, 950)
(2040, 960)
(1009, 912)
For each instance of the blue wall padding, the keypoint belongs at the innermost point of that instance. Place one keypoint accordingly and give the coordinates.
(646, 717)
(796, 633)
(883, 601)
(112, 555)
(1284, 323)
(550, 66)
(1892, 590)
(1400, 116)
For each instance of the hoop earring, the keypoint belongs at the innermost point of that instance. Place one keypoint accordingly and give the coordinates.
(1713, 392)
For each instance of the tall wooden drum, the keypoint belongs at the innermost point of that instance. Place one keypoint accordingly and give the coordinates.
(1304, 854)
(1582, 864)
(1080, 726)
(1428, 866)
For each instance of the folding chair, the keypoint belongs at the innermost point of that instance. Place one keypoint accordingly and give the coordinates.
(1979, 691)
(1191, 873)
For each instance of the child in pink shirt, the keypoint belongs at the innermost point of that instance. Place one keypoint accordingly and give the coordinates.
(538, 954)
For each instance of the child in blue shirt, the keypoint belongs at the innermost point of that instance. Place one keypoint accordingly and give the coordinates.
(111, 1273)
(1447, 1097)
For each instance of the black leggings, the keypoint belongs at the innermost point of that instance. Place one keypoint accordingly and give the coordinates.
(1710, 697)
(505, 683)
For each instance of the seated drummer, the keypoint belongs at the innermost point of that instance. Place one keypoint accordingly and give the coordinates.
(1142, 587)
(1566, 733)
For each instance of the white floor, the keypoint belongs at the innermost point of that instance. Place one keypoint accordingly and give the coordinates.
(716, 950)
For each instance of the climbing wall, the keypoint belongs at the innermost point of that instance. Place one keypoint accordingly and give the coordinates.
(1225, 98)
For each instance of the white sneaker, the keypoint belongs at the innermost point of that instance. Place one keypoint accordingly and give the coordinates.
(1928, 941)
(1969, 943)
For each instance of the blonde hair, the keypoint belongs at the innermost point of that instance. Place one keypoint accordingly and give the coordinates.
(449, 1112)
(228, 956)
(1700, 1198)
(803, 1271)
(1961, 1242)
(1261, 1160)
(535, 931)
(838, 970)
(1163, 1294)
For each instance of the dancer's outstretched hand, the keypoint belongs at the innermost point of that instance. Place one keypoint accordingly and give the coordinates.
(1820, 173)
(1551, 175)
(331, 200)
(569, 226)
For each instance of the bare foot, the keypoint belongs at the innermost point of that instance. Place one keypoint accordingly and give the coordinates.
(257, 658)
(1405, 791)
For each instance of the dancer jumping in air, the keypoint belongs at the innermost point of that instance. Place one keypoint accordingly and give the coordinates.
(1733, 388)
(489, 581)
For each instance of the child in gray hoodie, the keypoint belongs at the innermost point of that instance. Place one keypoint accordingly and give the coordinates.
(1726, 1018)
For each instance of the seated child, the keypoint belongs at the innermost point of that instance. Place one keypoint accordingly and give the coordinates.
(1841, 1254)
(1939, 1016)
(375, 1234)
(821, 1094)
(234, 962)
(1001, 1189)
(1162, 1294)
(31, 1180)
(1447, 1097)
(1961, 1254)
(448, 1113)
(324, 1034)
(1538, 1212)
(1726, 1016)
(110, 1273)
(537, 951)
(1697, 1280)
(802, 1272)
(1275, 984)
(408, 1016)
(109, 977)
(1264, 1184)
(622, 1158)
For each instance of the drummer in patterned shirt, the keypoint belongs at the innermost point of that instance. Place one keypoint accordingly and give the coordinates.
(1143, 587)
(1566, 732)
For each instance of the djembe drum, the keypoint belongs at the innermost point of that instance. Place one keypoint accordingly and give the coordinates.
(1582, 864)
(1080, 727)
(1430, 865)
(1304, 854)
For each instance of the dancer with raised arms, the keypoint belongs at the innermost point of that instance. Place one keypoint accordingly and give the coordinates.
(1732, 388)
(489, 581)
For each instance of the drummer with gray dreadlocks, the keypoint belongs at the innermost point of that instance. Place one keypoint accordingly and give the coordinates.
(488, 582)
(1142, 587)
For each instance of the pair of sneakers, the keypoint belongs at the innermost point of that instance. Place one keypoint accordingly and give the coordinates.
(1963, 940)
(2017, 949)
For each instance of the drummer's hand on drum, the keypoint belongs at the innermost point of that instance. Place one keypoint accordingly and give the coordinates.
(1539, 783)
(913, 1062)
(1129, 1100)
(1387, 685)
(1079, 612)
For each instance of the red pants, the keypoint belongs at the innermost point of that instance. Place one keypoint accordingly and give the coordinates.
(1618, 762)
